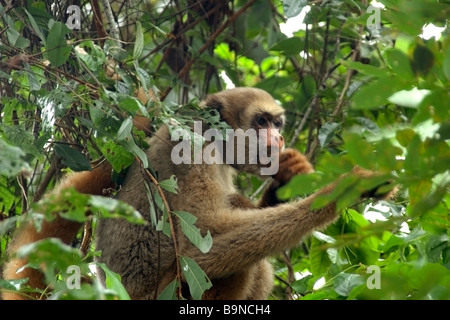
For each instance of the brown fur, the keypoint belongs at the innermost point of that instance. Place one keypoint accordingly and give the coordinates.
(244, 235)
(93, 182)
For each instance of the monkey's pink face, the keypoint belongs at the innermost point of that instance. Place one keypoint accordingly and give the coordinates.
(254, 151)
(272, 139)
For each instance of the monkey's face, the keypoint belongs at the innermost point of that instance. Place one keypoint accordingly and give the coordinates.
(255, 142)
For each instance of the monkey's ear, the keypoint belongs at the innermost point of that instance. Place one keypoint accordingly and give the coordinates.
(213, 102)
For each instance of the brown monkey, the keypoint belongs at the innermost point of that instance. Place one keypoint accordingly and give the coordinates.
(244, 234)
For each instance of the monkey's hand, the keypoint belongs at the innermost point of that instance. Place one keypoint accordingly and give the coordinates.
(292, 162)
(386, 190)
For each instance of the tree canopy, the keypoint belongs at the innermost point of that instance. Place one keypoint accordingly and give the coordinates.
(363, 83)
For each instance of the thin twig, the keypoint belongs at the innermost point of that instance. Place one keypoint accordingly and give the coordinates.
(303, 122)
(172, 225)
(348, 78)
(114, 30)
(207, 43)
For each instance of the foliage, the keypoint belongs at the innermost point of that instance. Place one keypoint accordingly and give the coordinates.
(361, 85)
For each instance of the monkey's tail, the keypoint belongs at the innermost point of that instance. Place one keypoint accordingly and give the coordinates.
(88, 182)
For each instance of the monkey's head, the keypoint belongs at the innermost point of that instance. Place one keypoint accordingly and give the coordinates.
(257, 120)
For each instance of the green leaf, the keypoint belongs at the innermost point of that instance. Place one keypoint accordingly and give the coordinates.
(36, 27)
(144, 78)
(197, 280)
(436, 220)
(139, 42)
(345, 193)
(132, 106)
(321, 294)
(117, 52)
(423, 60)
(405, 136)
(446, 64)
(132, 147)
(163, 224)
(376, 93)
(52, 251)
(301, 185)
(57, 49)
(399, 63)
(345, 282)
(169, 292)
(126, 140)
(8, 201)
(292, 8)
(187, 222)
(72, 158)
(301, 286)
(318, 257)
(91, 54)
(113, 208)
(365, 250)
(13, 285)
(323, 237)
(359, 150)
(392, 243)
(430, 200)
(113, 282)
(386, 154)
(124, 132)
(16, 40)
(290, 46)
(18, 136)
(308, 86)
(366, 69)
(12, 160)
(170, 184)
(70, 204)
(117, 155)
(327, 132)
(32, 80)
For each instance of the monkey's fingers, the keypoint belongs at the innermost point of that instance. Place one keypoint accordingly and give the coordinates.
(383, 191)
(292, 162)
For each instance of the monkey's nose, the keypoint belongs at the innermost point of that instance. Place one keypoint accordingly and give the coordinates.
(280, 140)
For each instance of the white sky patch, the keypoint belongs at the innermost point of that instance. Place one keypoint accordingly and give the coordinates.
(377, 213)
(295, 23)
(374, 212)
(300, 275)
(228, 83)
(376, 4)
(404, 227)
(319, 283)
(430, 30)
(409, 98)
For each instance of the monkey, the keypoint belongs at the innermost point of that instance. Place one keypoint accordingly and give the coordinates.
(245, 234)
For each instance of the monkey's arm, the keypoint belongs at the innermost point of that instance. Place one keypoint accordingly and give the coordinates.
(259, 233)
(291, 163)
(88, 182)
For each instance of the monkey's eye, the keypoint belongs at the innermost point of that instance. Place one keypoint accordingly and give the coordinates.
(278, 124)
(262, 122)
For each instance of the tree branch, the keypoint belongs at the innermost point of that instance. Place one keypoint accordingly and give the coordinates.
(208, 42)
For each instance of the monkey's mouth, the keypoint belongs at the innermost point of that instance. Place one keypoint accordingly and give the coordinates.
(270, 155)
